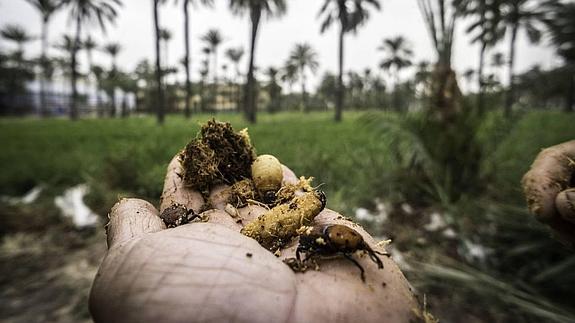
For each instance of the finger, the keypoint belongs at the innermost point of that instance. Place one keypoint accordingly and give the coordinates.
(198, 273)
(563, 231)
(565, 203)
(175, 192)
(550, 173)
(288, 176)
(131, 218)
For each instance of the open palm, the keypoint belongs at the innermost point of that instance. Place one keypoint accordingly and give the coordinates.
(208, 271)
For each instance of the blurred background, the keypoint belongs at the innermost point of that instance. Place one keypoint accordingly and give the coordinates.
(418, 116)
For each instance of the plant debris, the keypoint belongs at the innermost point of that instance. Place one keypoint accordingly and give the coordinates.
(218, 155)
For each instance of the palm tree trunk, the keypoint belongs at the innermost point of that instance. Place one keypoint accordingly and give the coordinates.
(303, 93)
(159, 88)
(396, 98)
(43, 109)
(340, 89)
(250, 95)
(112, 93)
(238, 89)
(215, 92)
(480, 95)
(187, 59)
(74, 102)
(570, 99)
(510, 92)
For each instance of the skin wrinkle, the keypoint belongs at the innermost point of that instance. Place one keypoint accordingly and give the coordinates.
(136, 275)
(218, 275)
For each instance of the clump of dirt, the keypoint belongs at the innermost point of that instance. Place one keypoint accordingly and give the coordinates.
(218, 155)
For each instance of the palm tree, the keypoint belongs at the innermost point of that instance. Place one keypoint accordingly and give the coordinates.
(157, 40)
(165, 36)
(486, 18)
(204, 72)
(235, 56)
(89, 44)
(304, 58)
(289, 74)
(18, 35)
(350, 14)
(66, 45)
(98, 73)
(255, 8)
(468, 75)
(83, 12)
(517, 15)
(273, 88)
(399, 54)
(187, 61)
(213, 38)
(497, 62)
(561, 25)
(113, 49)
(46, 8)
(445, 93)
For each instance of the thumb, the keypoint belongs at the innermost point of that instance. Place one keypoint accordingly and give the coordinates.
(565, 204)
(131, 218)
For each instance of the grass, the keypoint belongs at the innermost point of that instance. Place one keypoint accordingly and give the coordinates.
(129, 156)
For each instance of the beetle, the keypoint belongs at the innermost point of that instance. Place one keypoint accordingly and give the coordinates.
(335, 239)
(177, 214)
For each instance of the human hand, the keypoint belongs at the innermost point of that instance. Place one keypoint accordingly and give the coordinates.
(210, 272)
(549, 187)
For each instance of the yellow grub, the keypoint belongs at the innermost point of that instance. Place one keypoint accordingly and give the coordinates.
(277, 226)
(288, 191)
(267, 175)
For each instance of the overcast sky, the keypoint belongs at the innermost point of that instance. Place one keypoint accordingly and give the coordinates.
(134, 30)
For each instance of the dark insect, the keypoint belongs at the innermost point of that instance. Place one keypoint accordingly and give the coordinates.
(335, 239)
(177, 214)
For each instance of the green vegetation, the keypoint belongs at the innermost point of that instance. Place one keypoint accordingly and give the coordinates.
(131, 155)
(351, 158)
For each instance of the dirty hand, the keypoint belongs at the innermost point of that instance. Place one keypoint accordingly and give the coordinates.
(549, 187)
(208, 271)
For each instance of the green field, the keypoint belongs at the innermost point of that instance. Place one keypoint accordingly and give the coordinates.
(129, 156)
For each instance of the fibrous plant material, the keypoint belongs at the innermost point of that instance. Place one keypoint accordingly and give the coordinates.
(276, 227)
(242, 192)
(267, 174)
(218, 155)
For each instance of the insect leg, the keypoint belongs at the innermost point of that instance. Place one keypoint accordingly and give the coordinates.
(348, 257)
(375, 258)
